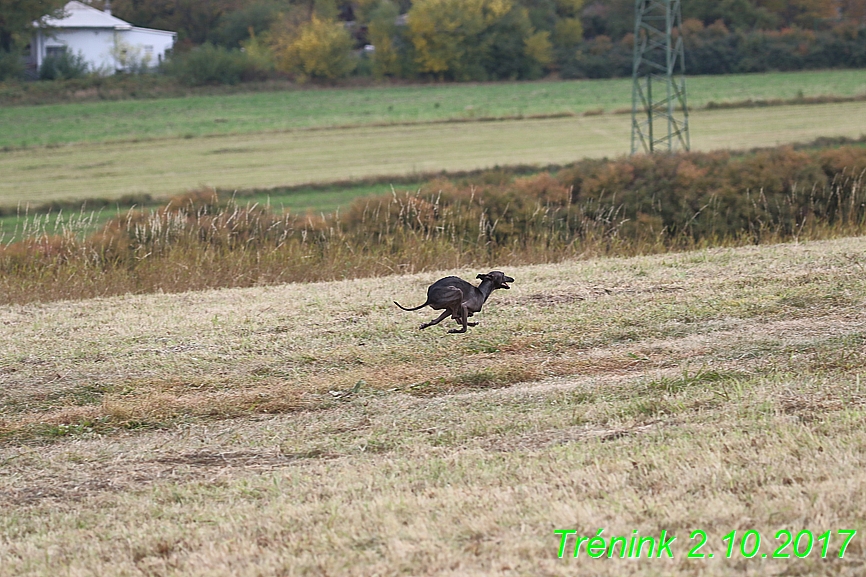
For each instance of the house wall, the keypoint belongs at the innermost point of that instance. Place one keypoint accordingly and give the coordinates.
(106, 50)
(152, 45)
(95, 44)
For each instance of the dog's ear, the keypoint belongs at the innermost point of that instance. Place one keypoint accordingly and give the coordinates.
(482, 276)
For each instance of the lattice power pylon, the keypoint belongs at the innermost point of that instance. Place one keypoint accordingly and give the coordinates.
(659, 112)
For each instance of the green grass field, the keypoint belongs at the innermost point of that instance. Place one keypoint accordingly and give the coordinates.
(25, 126)
(313, 429)
(273, 159)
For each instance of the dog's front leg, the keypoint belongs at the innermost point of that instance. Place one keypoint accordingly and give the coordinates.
(463, 320)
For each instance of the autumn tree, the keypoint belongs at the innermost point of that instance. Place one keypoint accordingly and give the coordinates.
(803, 13)
(446, 35)
(316, 49)
(853, 10)
(476, 40)
(567, 28)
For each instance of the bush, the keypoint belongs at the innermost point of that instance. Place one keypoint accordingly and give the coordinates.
(597, 58)
(630, 205)
(209, 64)
(63, 66)
(11, 66)
(715, 50)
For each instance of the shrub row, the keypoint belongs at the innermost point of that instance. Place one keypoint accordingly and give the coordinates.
(716, 50)
(625, 206)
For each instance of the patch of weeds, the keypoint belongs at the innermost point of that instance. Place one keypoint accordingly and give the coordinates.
(839, 353)
(485, 378)
(499, 428)
(315, 452)
(136, 425)
(580, 398)
(486, 345)
(161, 548)
(623, 335)
(83, 427)
(493, 377)
(764, 409)
(729, 390)
(428, 386)
(806, 299)
(270, 372)
(444, 438)
(368, 544)
(89, 394)
(687, 380)
(75, 396)
(376, 446)
(643, 408)
(305, 359)
(798, 301)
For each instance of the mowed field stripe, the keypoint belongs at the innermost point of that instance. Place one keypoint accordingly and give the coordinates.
(269, 159)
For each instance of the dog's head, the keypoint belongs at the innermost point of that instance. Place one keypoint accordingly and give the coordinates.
(498, 279)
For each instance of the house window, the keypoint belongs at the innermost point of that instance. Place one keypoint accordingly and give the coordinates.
(148, 50)
(55, 50)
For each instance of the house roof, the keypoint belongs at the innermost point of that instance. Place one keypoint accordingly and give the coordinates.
(78, 15)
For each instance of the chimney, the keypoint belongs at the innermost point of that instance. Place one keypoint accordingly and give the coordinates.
(107, 8)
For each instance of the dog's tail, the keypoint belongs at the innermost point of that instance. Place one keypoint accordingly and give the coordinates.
(412, 309)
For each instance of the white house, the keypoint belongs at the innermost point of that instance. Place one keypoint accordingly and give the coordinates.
(108, 43)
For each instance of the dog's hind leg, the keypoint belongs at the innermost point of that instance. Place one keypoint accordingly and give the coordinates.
(436, 321)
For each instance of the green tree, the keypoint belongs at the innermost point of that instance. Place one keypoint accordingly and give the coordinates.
(559, 18)
(325, 9)
(17, 17)
(514, 49)
(736, 14)
(195, 21)
(238, 26)
(383, 35)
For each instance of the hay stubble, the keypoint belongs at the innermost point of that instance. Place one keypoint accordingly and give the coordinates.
(216, 432)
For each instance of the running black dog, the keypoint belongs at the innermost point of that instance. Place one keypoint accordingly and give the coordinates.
(459, 298)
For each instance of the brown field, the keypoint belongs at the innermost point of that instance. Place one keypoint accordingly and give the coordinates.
(163, 167)
(312, 429)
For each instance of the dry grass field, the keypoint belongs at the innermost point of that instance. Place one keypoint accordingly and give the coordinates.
(269, 159)
(312, 429)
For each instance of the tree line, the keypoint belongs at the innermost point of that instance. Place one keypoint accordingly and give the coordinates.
(229, 41)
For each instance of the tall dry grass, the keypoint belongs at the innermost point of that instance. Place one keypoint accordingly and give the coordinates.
(627, 206)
